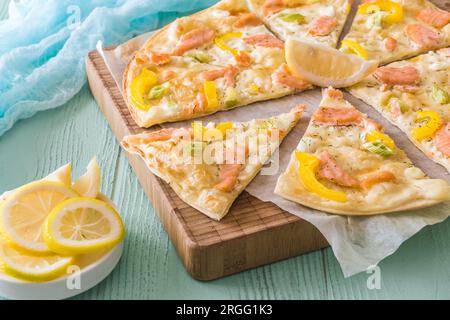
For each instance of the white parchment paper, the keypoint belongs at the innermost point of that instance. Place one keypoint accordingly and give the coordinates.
(357, 242)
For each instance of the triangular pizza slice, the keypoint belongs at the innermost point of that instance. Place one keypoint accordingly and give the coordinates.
(346, 164)
(217, 59)
(414, 95)
(208, 166)
(320, 21)
(390, 30)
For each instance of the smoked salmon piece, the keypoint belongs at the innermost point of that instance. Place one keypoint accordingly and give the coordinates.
(322, 26)
(299, 109)
(398, 76)
(435, 18)
(159, 58)
(228, 177)
(193, 39)
(272, 6)
(422, 36)
(390, 44)
(229, 73)
(330, 170)
(442, 140)
(167, 74)
(395, 107)
(265, 40)
(283, 76)
(371, 125)
(249, 19)
(243, 60)
(334, 93)
(379, 177)
(337, 116)
(229, 172)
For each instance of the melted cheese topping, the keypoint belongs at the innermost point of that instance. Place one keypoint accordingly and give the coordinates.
(433, 69)
(371, 36)
(410, 188)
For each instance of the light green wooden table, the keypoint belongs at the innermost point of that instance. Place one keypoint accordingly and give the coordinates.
(150, 267)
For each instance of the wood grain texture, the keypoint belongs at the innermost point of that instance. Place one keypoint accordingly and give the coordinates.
(150, 267)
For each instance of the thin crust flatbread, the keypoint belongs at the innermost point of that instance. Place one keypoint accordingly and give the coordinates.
(422, 28)
(400, 104)
(298, 19)
(376, 183)
(184, 161)
(241, 59)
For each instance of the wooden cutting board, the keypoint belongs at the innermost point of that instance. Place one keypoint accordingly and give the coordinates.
(253, 233)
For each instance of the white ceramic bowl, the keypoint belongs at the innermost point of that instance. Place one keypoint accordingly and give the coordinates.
(94, 268)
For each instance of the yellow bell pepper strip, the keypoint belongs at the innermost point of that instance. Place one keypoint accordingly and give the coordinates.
(202, 133)
(355, 48)
(210, 91)
(308, 165)
(140, 86)
(220, 42)
(223, 127)
(253, 88)
(440, 95)
(430, 127)
(377, 136)
(348, 7)
(395, 10)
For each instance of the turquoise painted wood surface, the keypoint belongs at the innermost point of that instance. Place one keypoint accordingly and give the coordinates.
(150, 267)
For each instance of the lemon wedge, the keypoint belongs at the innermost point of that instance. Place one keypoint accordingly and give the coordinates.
(324, 66)
(24, 211)
(88, 185)
(83, 225)
(32, 268)
(63, 174)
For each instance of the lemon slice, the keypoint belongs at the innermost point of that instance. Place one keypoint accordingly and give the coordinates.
(24, 211)
(324, 66)
(88, 185)
(83, 225)
(32, 268)
(63, 174)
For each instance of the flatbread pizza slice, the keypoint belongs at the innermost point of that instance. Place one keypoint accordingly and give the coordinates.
(209, 166)
(320, 21)
(415, 96)
(390, 30)
(345, 164)
(221, 58)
